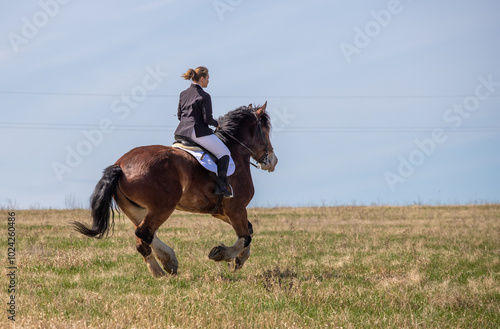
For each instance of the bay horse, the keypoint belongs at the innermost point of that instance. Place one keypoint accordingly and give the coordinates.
(148, 183)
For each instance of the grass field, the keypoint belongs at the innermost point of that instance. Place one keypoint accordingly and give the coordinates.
(349, 267)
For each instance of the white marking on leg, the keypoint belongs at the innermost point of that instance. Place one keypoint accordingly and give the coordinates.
(165, 254)
(153, 266)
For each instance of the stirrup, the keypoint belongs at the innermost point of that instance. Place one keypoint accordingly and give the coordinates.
(221, 193)
(232, 193)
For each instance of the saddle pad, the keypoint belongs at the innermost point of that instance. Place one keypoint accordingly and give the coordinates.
(206, 161)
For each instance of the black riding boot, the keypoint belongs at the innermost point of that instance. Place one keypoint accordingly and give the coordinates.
(221, 188)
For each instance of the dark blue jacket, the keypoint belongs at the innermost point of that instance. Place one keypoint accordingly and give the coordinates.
(195, 112)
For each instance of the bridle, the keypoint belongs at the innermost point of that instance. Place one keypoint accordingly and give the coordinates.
(264, 159)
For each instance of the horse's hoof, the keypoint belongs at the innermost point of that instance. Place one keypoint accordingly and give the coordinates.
(217, 254)
(171, 270)
(170, 266)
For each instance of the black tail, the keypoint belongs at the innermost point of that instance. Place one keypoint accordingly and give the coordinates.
(101, 202)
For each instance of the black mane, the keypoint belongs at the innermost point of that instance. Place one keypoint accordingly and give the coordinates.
(243, 116)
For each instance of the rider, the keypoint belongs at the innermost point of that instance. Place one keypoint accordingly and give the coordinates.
(195, 115)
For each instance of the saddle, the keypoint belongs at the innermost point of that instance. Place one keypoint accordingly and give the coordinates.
(187, 144)
(204, 157)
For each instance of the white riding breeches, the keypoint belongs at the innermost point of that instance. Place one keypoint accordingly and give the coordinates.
(212, 143)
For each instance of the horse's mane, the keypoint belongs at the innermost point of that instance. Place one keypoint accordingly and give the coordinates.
(232, 122)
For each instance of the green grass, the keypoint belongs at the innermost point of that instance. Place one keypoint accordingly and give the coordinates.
(349, 267)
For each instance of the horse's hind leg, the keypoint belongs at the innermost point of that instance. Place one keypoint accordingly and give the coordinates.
(146, 231)
(165, 255)
(153, 266)
(145, 249)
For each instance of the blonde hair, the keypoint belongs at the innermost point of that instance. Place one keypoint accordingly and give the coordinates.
(195, 74)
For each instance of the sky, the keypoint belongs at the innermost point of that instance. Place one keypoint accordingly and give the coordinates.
(372, 102)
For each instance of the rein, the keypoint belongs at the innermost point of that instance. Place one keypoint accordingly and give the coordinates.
(249, 150)
(263, 159)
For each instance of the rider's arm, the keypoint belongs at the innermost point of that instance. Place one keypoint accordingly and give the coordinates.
(206, 108)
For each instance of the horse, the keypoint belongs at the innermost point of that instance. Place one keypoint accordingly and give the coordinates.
(149, 182)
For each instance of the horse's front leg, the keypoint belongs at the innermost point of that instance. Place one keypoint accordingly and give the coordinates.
(240, 260)
(223, 253)
(240, 250)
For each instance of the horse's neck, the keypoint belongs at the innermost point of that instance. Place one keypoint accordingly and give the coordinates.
(240, 156)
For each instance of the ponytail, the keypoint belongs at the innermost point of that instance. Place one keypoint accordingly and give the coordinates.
(196, 74)
(189, 75)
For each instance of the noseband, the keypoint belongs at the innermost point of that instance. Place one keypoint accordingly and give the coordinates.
(264, 159)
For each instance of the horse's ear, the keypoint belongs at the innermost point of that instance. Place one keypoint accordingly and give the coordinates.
(261, 110)
(250, 106)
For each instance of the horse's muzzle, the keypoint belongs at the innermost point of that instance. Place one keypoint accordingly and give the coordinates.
(269, 162)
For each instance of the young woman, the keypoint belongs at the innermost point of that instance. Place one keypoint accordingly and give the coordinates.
(195, 115)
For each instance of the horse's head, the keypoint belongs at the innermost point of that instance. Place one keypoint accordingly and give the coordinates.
(262, 146)
(250, 127)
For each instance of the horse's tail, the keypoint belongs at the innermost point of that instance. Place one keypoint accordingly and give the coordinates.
(101, 204)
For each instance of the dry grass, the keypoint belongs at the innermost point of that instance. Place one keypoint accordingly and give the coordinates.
(349, 267)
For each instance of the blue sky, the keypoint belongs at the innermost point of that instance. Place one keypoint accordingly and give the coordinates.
(373, 102)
